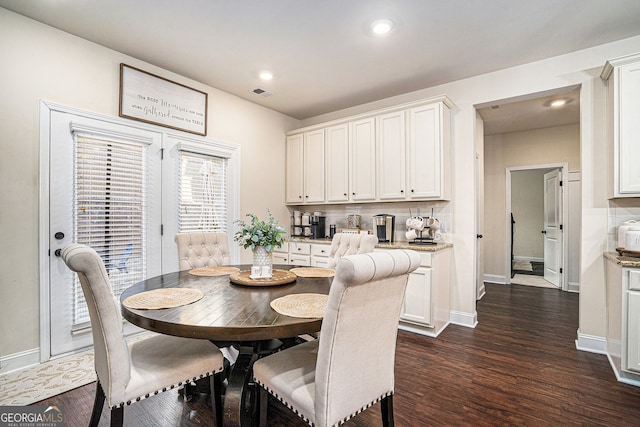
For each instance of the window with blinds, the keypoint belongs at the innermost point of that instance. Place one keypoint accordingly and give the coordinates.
(110, 210)
(202, 193)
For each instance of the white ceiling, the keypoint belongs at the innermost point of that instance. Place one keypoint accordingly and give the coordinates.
(321, 52)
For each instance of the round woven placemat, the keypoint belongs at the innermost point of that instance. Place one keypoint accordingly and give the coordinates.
(214, 271)
(313, 272)
(163, 298)
(308, 306)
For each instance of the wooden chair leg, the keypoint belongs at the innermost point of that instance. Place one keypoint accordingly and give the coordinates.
(216, 396)
(98, 403)
(117, 416)
(263, 403)
(387, 411)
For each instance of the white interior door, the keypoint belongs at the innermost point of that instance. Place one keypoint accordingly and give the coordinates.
(553, 227)
(105, 191)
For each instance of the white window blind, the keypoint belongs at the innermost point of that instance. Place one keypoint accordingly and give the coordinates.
(110, 210)
(202, 193)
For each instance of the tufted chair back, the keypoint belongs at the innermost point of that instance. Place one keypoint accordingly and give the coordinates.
(202, 249)
(350, 244)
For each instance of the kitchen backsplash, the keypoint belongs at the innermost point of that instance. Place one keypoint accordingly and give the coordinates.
(337, 214)
(620, 211)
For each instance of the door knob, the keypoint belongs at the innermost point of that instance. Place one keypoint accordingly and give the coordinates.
(479, 236)
(544, 231)
(58, 252)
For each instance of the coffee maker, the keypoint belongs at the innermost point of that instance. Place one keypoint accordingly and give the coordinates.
(318, 227)
(383, 225)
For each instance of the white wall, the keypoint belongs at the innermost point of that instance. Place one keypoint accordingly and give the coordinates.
(40, 62)
(577, 68)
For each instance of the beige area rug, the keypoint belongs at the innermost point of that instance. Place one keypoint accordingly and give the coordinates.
(522, 265)
(528, 280)
(35, 383)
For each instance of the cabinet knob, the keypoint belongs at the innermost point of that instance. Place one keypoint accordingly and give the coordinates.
(344, 194)
(306, 197)
(412, 190)
(299, 197)
(402, 191)
(353, 194)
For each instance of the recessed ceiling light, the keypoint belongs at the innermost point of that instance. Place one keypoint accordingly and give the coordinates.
(266, 75)
(558, 103)
(381, 26)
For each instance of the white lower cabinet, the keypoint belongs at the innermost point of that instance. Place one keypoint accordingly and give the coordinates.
(623, 321)
(281, 255)
(426, 304)
(320, 255)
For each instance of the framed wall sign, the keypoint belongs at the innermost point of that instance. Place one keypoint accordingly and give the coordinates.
(153, 99)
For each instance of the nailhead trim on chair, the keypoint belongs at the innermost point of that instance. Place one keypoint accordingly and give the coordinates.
(306, 420)
(170, 387)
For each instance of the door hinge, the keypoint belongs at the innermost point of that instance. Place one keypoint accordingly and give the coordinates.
(560, 270)
(162, 155)
(162, 229)
(560, 227)
(560, 183)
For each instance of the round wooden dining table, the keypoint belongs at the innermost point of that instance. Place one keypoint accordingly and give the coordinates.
(229, 314)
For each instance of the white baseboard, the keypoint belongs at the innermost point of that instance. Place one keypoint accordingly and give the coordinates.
(19, 360)
(469, 320)
(591, 343)
(528, 258)
(494, 278)
(573, 287)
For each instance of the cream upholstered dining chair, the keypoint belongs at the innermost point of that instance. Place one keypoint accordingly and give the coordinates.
(129, 372)
(344, 244)
(202, 249)
(350, 367)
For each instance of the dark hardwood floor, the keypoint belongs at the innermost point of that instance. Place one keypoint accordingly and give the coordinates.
(519, 366)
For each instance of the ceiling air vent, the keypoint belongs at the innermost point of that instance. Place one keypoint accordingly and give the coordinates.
(261, 92)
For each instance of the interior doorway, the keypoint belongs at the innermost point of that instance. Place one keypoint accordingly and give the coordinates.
(535, 210)
(522, 133)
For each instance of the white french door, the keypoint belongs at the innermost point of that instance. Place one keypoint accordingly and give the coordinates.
(105, 192)
(553, 227)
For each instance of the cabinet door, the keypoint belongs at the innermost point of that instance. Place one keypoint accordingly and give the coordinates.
(314, 166)
(337, 163)
(362, 160)
(417, 306)
(391, 156)
(424, 158)
(301, 260)
(280, 258)
(294, 164)
(628, 91)
(633, 331)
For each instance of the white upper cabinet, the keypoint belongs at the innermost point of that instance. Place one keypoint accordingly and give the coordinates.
(394, 154)
(623, 75)
(305, 168)
(337, 163)
(428, 152)
(294, 173)
(391, 156)
(314, 166)
(362, 174)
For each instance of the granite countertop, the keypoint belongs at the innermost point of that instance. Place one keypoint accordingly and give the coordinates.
(395, 245)
(624, 261)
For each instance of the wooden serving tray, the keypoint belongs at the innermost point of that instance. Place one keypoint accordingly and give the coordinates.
(279, 277)
(623, 251)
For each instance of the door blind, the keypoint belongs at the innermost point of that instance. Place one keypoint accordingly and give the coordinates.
(109, 186)
(202, 193)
